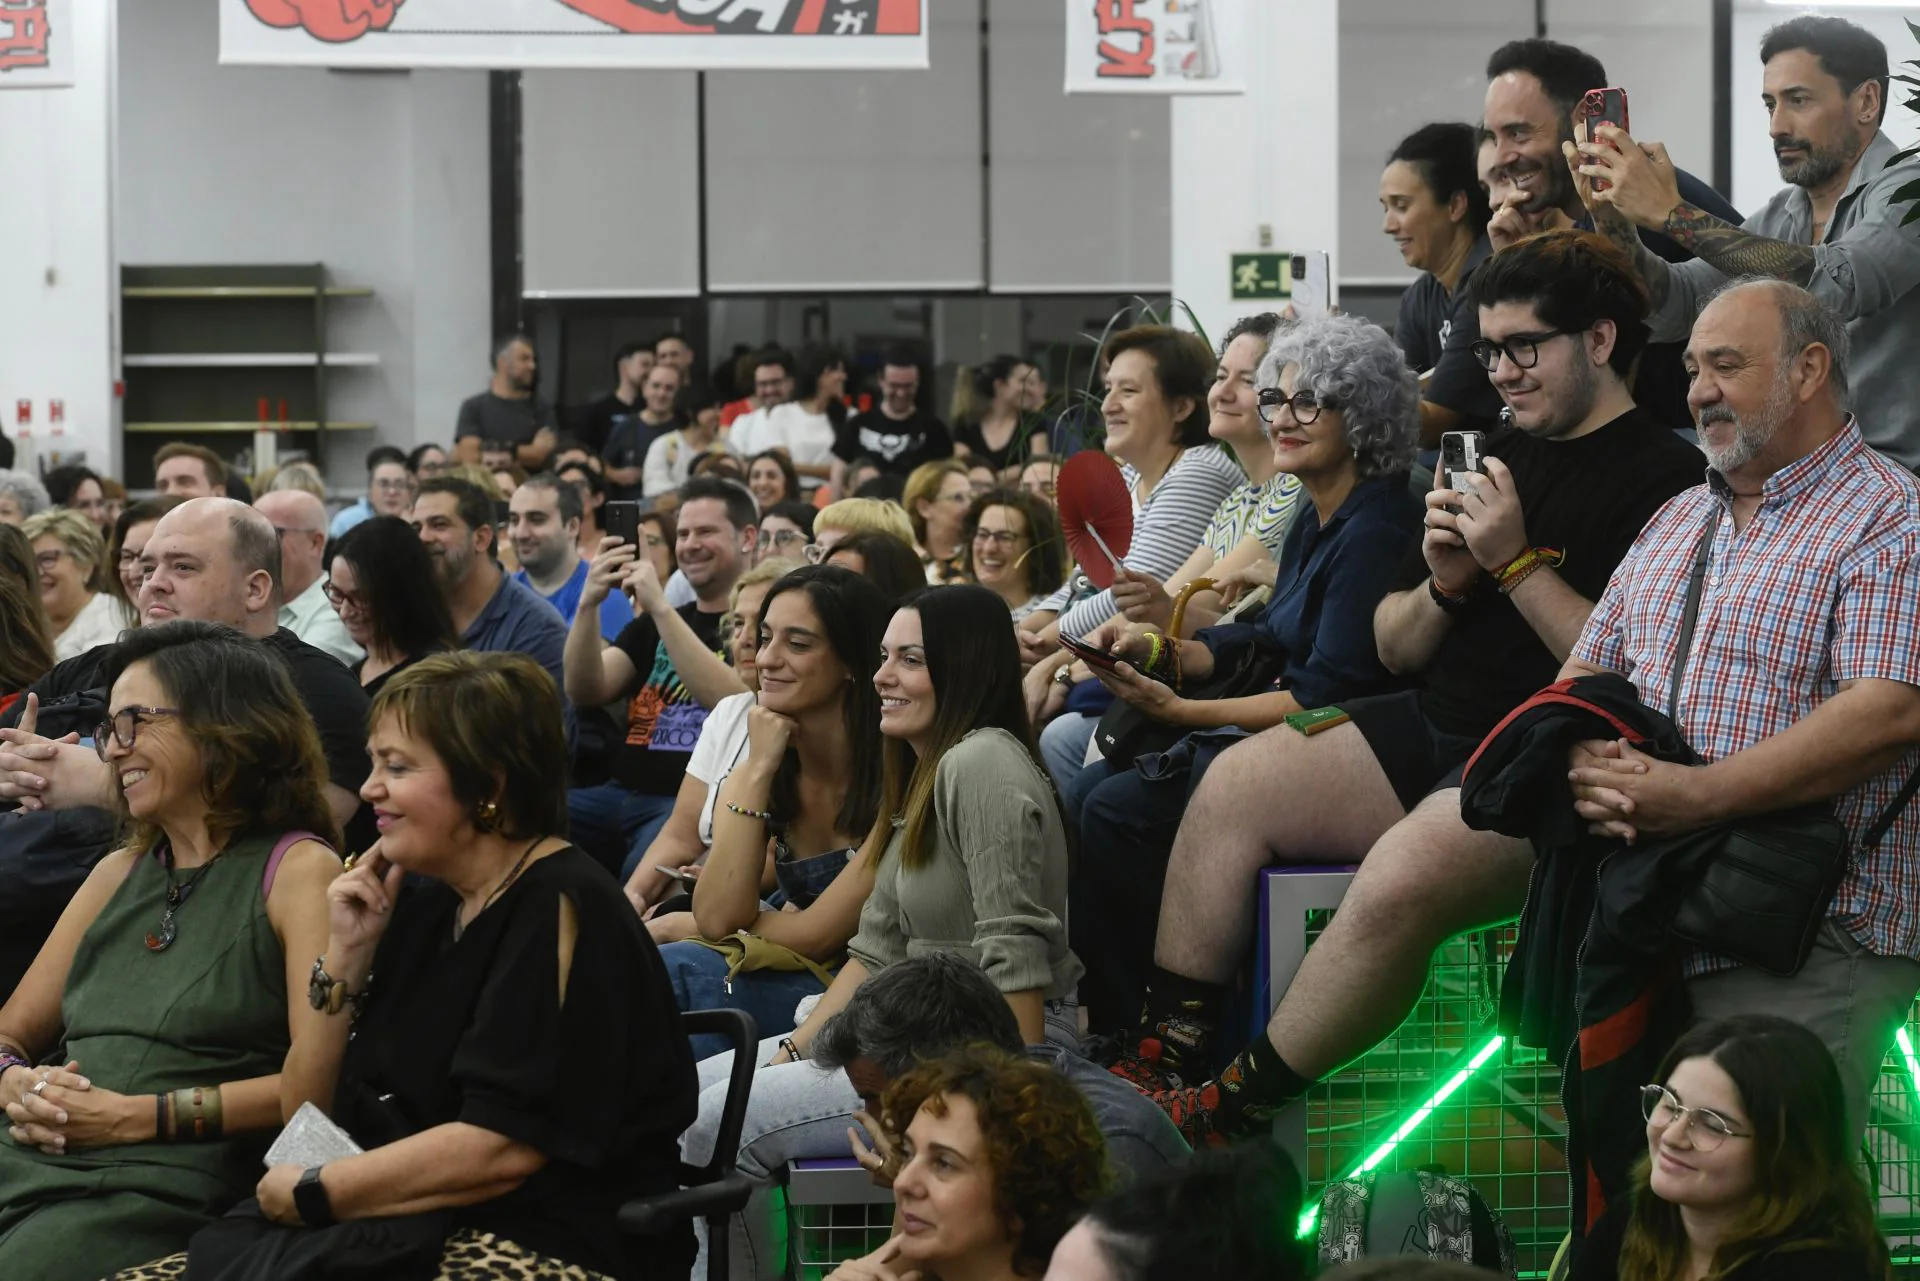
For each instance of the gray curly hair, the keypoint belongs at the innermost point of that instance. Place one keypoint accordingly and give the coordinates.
(25, 490)
(1354, 363)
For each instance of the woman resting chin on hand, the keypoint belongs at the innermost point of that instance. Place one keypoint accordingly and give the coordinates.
(484, 1000)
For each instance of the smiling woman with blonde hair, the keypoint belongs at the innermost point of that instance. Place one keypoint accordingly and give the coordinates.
(70, 557)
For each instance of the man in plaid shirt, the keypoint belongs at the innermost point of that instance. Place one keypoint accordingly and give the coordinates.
(1803, 682)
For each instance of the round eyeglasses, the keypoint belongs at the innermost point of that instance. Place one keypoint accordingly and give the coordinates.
(1304, 405)
(1705, 1128)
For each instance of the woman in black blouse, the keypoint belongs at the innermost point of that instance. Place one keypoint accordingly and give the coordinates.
(381, 586)
(518, 1068)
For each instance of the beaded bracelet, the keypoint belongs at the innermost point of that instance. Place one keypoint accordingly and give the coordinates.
(11, 1060)
(744, 812)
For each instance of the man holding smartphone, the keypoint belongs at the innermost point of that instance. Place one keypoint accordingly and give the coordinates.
(1491, 606)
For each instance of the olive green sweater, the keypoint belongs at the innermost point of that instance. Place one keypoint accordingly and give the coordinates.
(996, 884)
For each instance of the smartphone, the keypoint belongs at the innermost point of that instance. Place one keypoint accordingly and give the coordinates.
(1462, 457)
(677, 874)
(621, 519)
(1093, 657)
(1604, 107)
(1312, 283)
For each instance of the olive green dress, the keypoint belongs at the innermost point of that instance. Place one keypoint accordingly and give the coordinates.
(212, 1008)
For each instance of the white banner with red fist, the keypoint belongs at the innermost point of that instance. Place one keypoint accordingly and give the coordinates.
(1156, 46)
(36, 44)
(662, 34)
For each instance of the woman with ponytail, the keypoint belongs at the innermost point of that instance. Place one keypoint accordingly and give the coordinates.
(996, 414)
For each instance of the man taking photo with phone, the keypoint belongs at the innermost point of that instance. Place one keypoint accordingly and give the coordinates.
(1838, 228)
(1493, 602)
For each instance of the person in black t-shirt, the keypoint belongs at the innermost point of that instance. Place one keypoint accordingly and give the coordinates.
(667, 665)
(1509, 571)
(1436, 212)
(508, 410)
(625, 455)
(897, 431)
(630, 366)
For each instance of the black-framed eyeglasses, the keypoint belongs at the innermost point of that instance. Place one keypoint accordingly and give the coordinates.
(1705, 1128)
(1304, 405)
(1003, 538)
(124, 726)
(1522, 349)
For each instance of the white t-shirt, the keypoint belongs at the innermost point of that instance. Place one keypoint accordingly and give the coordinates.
(807, 438)
(747, 436)
(722, 745)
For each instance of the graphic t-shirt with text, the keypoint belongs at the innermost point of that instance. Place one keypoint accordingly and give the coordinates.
(663, 718)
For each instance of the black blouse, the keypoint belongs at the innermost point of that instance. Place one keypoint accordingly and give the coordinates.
(474, 1031)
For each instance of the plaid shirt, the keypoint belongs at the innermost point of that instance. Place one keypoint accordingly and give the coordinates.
(1821, 587)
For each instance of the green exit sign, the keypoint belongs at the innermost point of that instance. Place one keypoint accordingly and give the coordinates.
(1261, 276)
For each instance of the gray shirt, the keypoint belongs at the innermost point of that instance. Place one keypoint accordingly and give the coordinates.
(1865, 268)
(1141, 1141)
(995, 883)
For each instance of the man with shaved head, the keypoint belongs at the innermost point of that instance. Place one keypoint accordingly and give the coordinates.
(1802, 682)
(215, 560)
(300, 520)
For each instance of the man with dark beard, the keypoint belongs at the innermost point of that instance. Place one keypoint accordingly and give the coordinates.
(1836, 229)
(1802, 683)
(1534, 89)
(491, 611)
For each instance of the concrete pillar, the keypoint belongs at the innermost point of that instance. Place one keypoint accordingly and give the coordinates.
(1267, 158)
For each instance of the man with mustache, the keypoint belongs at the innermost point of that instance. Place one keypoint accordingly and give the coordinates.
(1836, 229)
(1534, 89)
(1802, 683)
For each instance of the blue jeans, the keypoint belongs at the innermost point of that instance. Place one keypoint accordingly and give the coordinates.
(616, 825)
(1063, 746)
(699, 977)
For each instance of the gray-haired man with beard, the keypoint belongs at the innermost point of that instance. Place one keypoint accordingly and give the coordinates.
(1838, 228)
(1802, 683)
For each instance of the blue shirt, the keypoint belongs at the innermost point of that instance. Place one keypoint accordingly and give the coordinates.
(1332, 578)
(518, 621)
(615, 611)
(347, 517)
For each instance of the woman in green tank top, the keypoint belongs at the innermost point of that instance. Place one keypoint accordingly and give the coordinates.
(163, 1032)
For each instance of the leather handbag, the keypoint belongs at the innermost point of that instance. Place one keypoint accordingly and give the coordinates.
(1764, 893)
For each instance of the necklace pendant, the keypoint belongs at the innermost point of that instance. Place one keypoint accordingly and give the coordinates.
(162, 939)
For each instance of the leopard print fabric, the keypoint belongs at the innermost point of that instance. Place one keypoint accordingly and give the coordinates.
(469, 1256)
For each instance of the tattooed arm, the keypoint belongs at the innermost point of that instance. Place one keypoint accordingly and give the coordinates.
(1737, 252)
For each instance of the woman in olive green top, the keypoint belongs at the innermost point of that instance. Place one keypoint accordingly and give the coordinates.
(176, 979)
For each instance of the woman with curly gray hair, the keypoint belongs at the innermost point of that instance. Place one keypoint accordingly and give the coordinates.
(21, 496)
(1342, 413)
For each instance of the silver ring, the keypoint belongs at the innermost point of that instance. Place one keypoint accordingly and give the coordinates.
(40, 1085)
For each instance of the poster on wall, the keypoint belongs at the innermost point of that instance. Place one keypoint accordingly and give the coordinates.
(1155, 46)
(767, 35)
(36, 44)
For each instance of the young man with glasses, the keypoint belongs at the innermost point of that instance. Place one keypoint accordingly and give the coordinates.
(897, 431)
(1492, 603)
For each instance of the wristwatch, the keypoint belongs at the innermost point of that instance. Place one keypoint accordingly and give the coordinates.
(310, 1200)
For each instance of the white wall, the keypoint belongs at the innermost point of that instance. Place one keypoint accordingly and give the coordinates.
(1756, 176)
(57, 292)
(381, 176)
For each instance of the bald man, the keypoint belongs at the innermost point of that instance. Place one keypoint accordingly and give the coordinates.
(300, 520)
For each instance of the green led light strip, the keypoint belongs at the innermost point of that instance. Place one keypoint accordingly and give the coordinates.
(1418, 1117)
(1905, 1042)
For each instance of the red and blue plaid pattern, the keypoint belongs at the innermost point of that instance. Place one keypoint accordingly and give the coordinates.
(1821, 587)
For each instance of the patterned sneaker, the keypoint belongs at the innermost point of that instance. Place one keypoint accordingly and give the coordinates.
(1193, 1112)
(1144, 1069)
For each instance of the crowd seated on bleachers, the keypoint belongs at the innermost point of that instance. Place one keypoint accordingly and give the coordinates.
(752, 688)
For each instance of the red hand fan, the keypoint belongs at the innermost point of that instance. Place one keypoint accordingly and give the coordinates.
(1096, 513)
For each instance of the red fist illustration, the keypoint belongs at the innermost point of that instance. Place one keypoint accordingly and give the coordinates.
(336, 21)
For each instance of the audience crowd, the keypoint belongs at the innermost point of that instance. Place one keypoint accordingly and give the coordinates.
(417, 820)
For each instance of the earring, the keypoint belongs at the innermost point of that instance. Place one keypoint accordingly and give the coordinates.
(488, 814)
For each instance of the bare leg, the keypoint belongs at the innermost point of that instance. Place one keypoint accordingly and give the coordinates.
(1428, 879)
(1279, 796)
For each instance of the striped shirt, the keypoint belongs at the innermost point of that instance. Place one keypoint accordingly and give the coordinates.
(1820, 588)
(1166, 528)
(1262, 511)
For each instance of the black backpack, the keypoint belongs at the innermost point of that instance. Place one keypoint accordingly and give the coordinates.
(1425, 1212)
